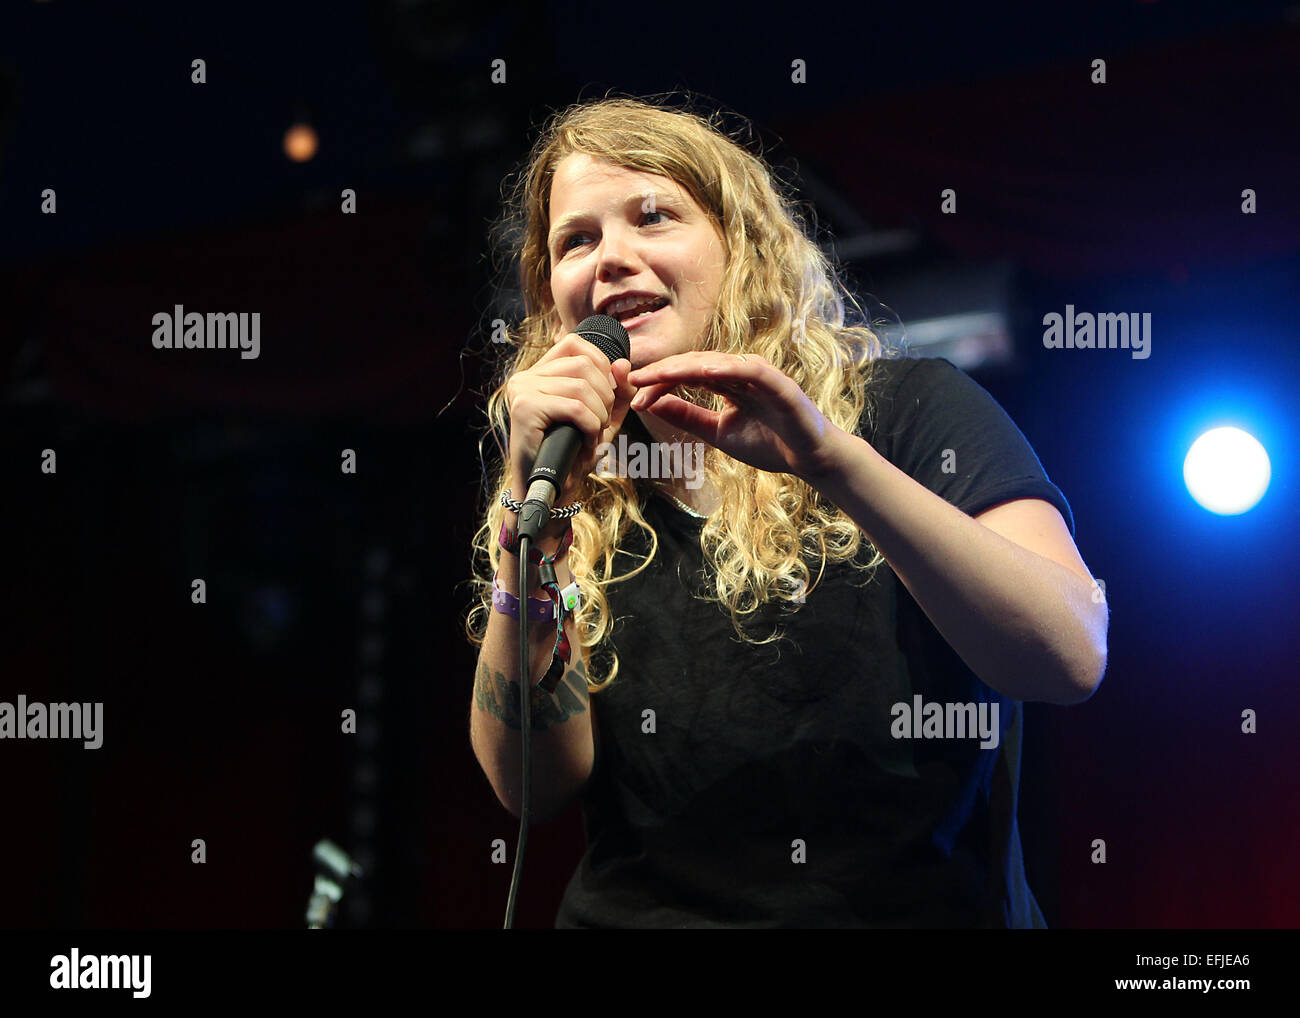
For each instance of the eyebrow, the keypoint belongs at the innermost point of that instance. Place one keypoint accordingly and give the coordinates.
(568, 219)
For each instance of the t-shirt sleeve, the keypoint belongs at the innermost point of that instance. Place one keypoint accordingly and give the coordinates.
(940, 426)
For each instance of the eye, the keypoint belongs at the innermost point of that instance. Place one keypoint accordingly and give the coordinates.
(565, 243)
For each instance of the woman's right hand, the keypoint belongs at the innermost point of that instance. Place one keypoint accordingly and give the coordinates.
(573, 383)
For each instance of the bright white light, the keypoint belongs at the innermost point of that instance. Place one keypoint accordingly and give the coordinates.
(1227, 471)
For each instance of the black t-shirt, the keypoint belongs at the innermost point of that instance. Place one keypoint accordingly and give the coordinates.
(771, 792)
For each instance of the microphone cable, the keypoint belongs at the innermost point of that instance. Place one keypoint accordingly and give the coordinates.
(525, 717)
(609, 336)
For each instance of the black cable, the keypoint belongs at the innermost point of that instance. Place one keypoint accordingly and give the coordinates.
(525, 718)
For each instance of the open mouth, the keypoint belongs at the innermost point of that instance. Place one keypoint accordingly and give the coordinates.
(638, 319)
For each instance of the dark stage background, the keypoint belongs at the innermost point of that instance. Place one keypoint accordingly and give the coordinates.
(329, 591)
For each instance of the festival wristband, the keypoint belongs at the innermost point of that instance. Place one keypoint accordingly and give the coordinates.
(509, 541)
(540, 609)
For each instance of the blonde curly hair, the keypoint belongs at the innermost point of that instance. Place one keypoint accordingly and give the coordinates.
(780, 298)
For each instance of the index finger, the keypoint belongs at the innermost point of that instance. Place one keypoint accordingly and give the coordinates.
(571, 343)
(698, 366)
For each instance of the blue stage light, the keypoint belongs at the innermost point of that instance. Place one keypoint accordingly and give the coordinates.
(1227, 471)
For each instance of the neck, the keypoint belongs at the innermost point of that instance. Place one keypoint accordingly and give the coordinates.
(703, 497)
(661, 431)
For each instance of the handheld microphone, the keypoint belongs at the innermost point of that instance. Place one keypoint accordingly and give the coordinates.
(563, 441)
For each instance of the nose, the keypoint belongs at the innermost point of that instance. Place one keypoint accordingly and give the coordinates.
(617, 253)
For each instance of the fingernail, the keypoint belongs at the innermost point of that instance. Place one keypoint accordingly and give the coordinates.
(638, 401)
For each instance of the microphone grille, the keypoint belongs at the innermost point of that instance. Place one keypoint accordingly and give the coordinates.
(607, 334)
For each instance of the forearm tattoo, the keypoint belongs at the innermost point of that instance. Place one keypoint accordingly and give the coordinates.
(496, 695)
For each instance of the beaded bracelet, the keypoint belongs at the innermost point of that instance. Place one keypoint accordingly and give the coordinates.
(565, 512)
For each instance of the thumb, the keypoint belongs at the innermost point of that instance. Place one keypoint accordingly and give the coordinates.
(623, 393)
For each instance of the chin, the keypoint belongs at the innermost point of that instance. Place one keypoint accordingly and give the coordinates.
(647, 349)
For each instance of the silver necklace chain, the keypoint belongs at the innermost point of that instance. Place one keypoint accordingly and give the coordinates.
(680, 504)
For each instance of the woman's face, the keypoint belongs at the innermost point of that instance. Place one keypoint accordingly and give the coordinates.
(615, 230)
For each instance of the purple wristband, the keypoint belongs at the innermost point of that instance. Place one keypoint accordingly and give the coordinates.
(539, 609)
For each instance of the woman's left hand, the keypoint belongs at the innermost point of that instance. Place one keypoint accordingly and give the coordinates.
(768, 423)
